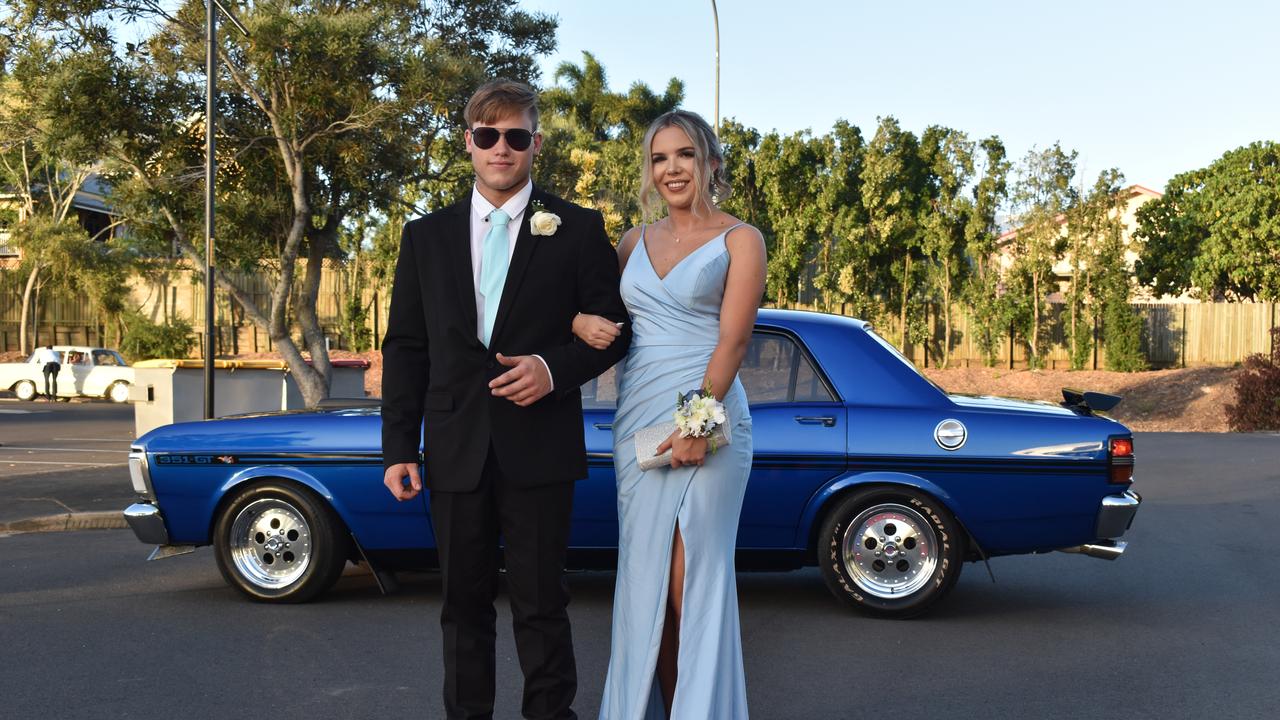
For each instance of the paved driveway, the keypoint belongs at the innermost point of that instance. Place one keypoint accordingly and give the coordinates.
(1185, 625)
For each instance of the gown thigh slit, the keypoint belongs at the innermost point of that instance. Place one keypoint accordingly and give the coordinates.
(675, 321)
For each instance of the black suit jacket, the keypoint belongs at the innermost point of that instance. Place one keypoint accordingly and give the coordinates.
(436, 369)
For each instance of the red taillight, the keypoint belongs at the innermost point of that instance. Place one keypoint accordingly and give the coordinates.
(1121, 461)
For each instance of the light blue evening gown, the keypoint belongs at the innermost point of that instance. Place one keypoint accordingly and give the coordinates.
(676, 324)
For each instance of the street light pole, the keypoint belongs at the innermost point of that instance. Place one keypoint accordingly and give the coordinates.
(715, 15)
(210, 173)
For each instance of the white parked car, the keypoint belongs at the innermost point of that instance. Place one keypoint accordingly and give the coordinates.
(86, 372)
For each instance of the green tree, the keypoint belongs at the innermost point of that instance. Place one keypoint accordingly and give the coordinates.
(982, 288)
(1100, 283)
(1216, 231)
(1111, 275)
(893, 188)
(789, 170)
(948, 156)
(327, 111)
(44, 166)
(592, 153)
(1042, 195)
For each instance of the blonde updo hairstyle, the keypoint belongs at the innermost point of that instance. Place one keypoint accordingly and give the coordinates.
(709, 181)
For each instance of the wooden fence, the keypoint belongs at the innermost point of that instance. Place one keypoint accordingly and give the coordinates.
(1174, 335)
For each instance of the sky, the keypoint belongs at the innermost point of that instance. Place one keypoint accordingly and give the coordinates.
(1152, 88)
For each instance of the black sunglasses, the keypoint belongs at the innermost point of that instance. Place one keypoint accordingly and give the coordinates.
(518, 139)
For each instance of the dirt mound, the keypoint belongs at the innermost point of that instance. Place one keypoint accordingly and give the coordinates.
(1183, 400)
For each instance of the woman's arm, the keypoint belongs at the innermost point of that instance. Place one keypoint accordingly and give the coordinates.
(743, 289)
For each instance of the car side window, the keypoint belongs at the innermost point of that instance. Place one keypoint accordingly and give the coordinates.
(776, 370)
(104, 357)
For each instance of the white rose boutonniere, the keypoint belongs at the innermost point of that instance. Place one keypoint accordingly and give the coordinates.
(543, 222)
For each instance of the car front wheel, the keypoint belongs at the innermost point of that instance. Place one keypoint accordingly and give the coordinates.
(277, 542)
(25, 390)
(890, 551)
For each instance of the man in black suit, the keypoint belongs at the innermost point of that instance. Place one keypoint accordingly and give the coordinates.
(480, 344)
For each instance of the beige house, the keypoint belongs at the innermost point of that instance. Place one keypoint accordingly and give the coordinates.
(1137, 195)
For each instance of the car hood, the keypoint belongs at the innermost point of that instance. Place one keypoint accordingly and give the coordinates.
(1000, 404)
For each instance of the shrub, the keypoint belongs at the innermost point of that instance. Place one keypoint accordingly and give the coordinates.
(144, 340)
(1257, 388)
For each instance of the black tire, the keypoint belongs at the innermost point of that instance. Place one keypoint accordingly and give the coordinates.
(890, 551)
(279, 542)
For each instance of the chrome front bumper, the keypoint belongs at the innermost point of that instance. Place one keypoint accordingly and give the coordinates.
(1116, 514)
(147, 523)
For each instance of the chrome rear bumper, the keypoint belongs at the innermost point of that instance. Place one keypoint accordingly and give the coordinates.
(147, 523)
(1116, 514)
(1114, 518)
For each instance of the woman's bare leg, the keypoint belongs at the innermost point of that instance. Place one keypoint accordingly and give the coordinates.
(669, 650)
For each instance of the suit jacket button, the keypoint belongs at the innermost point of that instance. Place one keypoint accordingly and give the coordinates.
(491, 364)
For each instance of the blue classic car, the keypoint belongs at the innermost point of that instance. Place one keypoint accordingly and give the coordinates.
(863, 467)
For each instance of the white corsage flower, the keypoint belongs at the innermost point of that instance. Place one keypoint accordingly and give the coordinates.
(698, 413)
(543, 222)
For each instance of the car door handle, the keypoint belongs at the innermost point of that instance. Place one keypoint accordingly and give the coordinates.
(602, 426)
(823, 420)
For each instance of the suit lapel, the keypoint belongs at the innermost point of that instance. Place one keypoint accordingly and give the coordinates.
(526, 243)
(458, 233)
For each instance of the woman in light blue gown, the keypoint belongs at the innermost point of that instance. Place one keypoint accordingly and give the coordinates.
(692, 282)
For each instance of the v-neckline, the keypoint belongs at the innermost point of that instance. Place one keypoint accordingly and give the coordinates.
(663, 278)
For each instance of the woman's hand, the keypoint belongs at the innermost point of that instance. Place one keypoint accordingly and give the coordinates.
(684, 451)
(595, 331)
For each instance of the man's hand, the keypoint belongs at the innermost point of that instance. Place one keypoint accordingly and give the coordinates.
(394, 477)
(525, 383)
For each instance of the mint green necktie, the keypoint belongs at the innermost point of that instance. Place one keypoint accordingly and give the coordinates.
(493, 268)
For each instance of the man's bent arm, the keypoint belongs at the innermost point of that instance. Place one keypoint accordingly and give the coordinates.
(406, 363)
(573, 364)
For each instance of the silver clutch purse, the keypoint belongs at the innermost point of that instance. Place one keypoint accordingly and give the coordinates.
(648, 439)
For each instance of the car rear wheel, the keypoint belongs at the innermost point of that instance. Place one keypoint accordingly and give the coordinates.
(890, 551)
(118, 392)
(25, 390)
(277, 542)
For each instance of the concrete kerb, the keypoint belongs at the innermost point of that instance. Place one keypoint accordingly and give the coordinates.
(62, 522)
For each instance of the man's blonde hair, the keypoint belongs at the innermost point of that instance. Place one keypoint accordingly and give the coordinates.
(501, 97)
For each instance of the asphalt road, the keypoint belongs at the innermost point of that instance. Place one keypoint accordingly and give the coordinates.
(59, 457)
(1183, 626)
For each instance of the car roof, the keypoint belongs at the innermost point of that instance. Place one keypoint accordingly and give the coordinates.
(799, 318)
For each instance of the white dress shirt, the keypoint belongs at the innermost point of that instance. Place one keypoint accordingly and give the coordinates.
(44, 355)
(480, 209)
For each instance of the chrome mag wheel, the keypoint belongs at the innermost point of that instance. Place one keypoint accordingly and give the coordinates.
(890, 551)
(270, 543)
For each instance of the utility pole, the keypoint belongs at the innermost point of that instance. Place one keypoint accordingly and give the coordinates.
(715, 16)
(210, 173)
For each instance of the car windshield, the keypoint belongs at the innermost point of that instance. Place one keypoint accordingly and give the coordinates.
(902, 358)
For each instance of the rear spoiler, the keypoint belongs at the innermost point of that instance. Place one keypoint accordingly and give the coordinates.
(1088, 402)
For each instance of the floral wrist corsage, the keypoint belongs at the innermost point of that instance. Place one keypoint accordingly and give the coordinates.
(698, 414)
